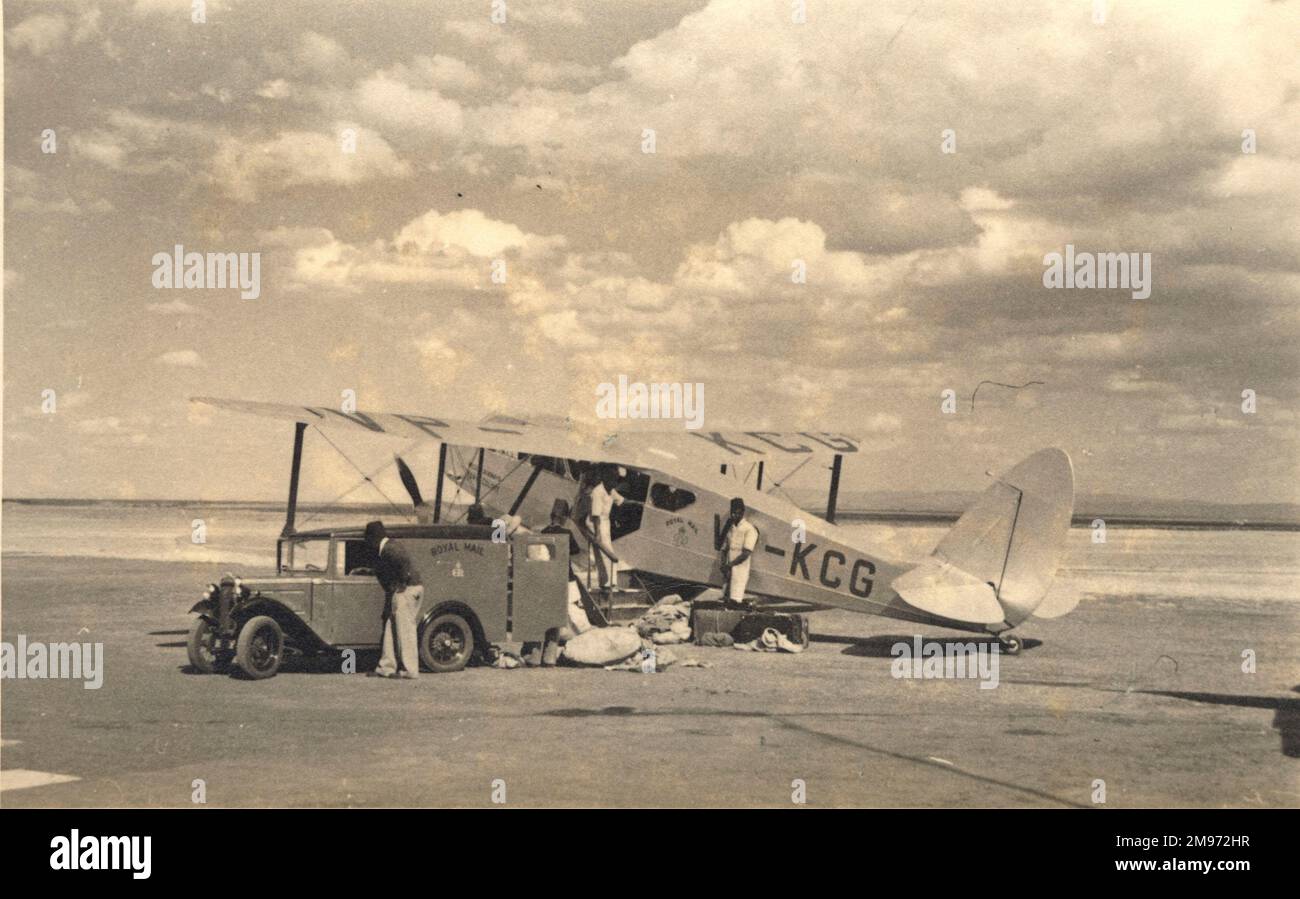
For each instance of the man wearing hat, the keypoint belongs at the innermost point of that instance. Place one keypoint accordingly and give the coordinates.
(739, 538)
(403, 592)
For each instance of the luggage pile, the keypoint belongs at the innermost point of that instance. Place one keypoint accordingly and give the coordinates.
(668, 621)
(714, 623)
(617, 649)
(641, 645)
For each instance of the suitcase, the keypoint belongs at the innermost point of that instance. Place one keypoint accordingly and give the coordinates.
(752, 624)
(713, 618)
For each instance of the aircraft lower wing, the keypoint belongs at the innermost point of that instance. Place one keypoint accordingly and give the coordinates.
(658, 449)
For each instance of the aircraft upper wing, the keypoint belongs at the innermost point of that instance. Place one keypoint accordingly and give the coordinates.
(660, 449)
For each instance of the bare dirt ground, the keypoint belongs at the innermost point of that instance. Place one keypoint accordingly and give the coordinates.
(1146, 695)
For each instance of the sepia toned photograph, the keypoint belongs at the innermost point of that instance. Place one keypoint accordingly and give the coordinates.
(651, 404)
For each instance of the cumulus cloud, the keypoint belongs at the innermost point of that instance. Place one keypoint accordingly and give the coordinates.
(454, 249)
(449, 73)
(275, 89)
(180, 9)
(387, 98)
(31, 193)
(181, 359)
(174, 307)
(39, 34)
(104, 425)
(245, 169)
(798, 238)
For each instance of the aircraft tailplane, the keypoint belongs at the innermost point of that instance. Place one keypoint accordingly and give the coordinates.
(996, 564)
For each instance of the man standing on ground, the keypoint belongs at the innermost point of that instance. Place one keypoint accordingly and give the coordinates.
(578, 621)
(403, 592)
(739, 540)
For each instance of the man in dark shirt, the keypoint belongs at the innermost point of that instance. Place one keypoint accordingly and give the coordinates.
(578, 620)
(560, 514)
(403, 592)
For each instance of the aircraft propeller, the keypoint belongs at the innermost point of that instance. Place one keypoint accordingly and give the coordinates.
(409, 482)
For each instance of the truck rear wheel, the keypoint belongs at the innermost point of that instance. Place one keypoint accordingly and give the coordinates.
(260, 647)
(446, 643)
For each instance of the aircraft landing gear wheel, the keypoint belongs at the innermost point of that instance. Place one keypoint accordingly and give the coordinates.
(1011, 644)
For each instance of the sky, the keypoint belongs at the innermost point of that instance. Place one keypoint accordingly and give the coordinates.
(917, 161)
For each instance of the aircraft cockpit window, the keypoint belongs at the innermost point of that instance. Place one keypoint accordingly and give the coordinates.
(669, 499)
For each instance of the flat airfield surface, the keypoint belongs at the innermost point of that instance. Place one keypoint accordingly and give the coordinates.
(1146, 695)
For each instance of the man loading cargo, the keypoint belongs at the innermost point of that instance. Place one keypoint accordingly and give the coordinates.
(604, 497)
(739, 541)
(587, 514)
(560, 511)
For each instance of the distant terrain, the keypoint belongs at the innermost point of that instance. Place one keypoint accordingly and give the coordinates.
(854, 505)
(943, 506)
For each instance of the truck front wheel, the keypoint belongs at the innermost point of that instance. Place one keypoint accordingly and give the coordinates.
(446, 643)
(260, 647)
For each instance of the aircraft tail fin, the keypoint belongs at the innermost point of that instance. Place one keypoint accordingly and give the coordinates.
(998, 561)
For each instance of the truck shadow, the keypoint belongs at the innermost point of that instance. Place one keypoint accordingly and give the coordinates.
(366, 660)
(180, 644)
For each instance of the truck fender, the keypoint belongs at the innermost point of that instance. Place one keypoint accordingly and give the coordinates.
(294, 628)
(455, 608)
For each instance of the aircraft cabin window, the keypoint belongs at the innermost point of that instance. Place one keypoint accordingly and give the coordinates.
(539, 552)
(626, 518)
(549, 463)
(665, 497)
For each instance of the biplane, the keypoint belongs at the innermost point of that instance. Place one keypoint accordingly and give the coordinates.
(990, 573)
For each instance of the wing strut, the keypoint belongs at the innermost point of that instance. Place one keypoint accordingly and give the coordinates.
(442, 470)
(834, 495)
(292, 511)
(523, 494)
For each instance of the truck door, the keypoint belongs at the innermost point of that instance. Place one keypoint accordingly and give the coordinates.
(540, 591)
(354, 615)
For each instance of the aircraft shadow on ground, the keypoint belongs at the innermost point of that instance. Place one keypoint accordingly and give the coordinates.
(880, 647)
(1286, 711)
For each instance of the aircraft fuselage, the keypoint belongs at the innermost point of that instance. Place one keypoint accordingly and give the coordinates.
(799, 557)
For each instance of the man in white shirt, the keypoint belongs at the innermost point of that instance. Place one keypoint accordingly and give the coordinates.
(740, 540)
(603, 500)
